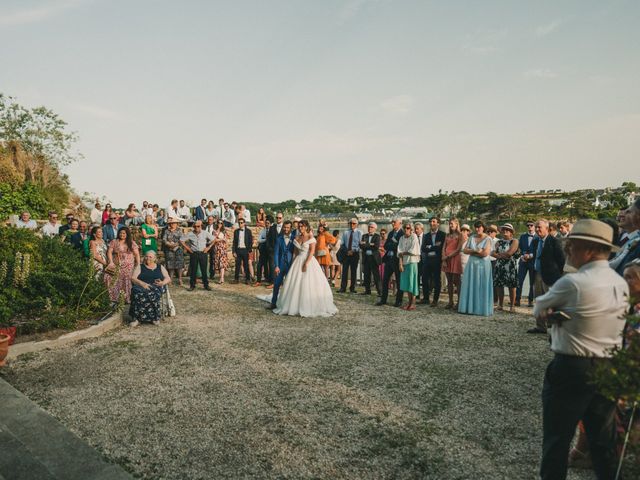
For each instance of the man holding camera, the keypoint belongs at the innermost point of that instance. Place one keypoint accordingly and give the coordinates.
(585, 311)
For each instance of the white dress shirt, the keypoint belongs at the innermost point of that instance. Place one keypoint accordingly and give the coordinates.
(51, 229)
(96, 216)
(596, 300)
(241, 238)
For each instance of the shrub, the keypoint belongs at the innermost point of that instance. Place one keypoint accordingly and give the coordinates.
(45, 283)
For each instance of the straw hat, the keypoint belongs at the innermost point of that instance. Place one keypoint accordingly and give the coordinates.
(507, 226)
(593, 231)
(173, 220)
(465, 226)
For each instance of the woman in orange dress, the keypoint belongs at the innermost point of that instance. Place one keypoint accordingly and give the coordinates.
(324, 239)
(451, 260)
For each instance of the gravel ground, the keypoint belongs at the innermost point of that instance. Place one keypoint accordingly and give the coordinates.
(227, 389)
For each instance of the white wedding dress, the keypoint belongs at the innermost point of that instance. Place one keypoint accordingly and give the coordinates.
(307, 294)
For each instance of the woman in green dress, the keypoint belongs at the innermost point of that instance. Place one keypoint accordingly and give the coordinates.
(149, 232)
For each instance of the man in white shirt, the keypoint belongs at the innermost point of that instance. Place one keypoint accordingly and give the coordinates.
(586, 313)
(228, 216)
(52, 227)
(244, 212)
(25, 221)
(184, 212)
(96, 214)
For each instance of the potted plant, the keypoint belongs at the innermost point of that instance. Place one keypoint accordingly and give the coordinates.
(4, 347)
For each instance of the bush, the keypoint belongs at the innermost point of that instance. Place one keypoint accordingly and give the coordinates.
(46, 284)
(30, 197)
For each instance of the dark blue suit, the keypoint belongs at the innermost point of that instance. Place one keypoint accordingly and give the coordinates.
(525, 267)
(283, 257)
(109, 232)
(200, 213)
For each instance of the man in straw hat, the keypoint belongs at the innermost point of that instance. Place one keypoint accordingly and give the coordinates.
(592, 303)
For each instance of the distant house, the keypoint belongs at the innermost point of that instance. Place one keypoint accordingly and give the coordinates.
(557, 202)
(411, 212)
(364, 216)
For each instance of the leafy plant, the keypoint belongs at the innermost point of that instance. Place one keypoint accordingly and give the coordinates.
(46, 284)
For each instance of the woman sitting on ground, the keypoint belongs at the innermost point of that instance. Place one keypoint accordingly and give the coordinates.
(149, 282)
(131, 216)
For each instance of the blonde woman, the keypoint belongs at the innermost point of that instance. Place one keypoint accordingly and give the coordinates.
(409, 256)
(451, 260)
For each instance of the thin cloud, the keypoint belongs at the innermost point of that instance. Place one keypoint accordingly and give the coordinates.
(548, 29)
(484, 42)
(37, 13)
(540, 73)
(398, 104)
(98, 112)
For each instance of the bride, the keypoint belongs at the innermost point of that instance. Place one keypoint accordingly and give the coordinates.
(306, 291)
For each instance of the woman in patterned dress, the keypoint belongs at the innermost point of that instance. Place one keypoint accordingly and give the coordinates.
(173, 253)
(123, 255)
(149, 283)
(221, 260)
(506, 266)
(98, 251)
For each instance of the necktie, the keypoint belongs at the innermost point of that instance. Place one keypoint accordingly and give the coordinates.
(350, 240)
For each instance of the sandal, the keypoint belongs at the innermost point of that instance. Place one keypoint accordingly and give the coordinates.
(412, 307)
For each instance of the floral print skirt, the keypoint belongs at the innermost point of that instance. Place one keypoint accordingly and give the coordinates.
(146, 305)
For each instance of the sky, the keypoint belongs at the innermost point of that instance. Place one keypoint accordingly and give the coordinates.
(269, 100)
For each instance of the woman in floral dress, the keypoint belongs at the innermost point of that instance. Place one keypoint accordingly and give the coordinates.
(123, 255)
(98, 251)
(506, 265)
(221, 260)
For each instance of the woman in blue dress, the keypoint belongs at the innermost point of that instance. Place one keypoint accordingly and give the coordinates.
(476, 292)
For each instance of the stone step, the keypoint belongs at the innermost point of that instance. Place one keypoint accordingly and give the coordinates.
(33, 444)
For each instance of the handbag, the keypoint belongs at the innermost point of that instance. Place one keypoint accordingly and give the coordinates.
(321, 253)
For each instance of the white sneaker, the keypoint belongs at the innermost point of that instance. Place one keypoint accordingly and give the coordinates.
(156, 322)
(135, 323)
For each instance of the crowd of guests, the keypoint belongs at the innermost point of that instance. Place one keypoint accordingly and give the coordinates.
(582, 313)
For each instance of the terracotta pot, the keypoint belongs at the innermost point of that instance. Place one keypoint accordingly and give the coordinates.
(4, 347)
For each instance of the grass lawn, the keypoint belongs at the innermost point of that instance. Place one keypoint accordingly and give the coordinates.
(227, 389)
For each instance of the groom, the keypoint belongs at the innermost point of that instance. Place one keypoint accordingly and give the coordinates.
(282, 257)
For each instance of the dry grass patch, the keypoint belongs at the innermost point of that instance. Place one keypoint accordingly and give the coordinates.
(228, 390)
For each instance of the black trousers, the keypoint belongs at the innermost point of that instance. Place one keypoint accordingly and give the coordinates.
(431, 279)
(242, 256)
(391, 266)
(525, 268)
(264, 266)
(369, 268)
(350, 266)
(198, 259)
(568, 397)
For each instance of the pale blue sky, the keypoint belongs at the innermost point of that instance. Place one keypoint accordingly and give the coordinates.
(268, 100)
